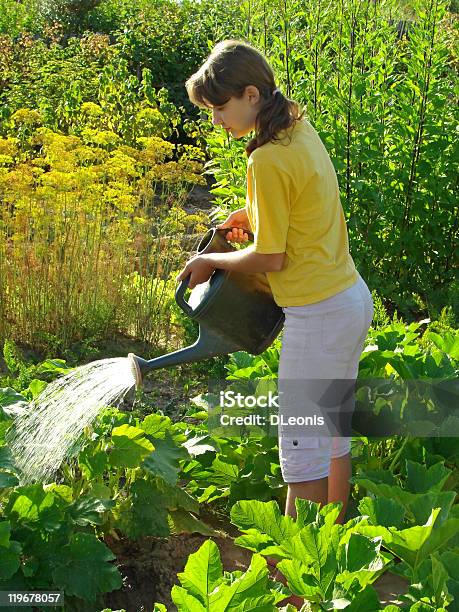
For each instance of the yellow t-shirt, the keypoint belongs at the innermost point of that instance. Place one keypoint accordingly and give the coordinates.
(294, 207)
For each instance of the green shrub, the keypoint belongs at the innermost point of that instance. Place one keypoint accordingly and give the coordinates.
(71, 14)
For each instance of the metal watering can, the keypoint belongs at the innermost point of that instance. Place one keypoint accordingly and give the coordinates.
(235, 311)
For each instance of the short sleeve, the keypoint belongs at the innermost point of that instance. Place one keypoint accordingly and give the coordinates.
(269, 195)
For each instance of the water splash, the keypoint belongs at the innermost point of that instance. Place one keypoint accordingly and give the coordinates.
(43, 434)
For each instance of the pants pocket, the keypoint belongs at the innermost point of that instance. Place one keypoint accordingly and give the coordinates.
(310, 460)
(342, 328)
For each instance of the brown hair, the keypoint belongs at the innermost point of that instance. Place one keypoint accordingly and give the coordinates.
(229, 69)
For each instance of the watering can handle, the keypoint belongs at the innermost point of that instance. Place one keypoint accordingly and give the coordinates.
(180, 296)
(183, 286)
(246, 231)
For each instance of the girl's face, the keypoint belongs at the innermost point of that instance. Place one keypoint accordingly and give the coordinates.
(237, 116)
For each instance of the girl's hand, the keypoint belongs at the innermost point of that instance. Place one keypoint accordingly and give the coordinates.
(239, 221)
(198, 269)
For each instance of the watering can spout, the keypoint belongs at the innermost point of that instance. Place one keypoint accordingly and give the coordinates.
(209, 344)
(235, 312)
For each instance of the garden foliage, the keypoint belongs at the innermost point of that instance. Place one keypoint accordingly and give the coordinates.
(99, 148)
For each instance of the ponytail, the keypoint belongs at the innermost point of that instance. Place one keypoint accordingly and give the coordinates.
(277, 113)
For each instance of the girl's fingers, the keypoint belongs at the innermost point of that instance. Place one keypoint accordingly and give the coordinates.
(236, 234)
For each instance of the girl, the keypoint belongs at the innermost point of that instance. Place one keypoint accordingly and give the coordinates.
(293, 209)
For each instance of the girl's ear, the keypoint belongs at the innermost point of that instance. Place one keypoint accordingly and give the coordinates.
(253, 94)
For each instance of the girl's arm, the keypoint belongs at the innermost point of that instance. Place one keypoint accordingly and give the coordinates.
(246, 260)
(200, 267)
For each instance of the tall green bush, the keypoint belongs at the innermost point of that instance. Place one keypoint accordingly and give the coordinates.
(382, 93)
(71, 14)
(16, 17)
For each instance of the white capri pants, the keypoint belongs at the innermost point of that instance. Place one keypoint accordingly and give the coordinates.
(321, 341)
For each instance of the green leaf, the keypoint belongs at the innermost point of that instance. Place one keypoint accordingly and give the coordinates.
(306, 511)
(448, 342)
(224, 471)
(63, 492)
(84, 568)
(11, 403)
(8, 480)
(364, 601)
(404, 498)
(420, 479)
(32, 504)
(411, 544)
(9, 552)
(144, 513)
(177, 497)
(329, 513)
(310, 545)
(5, 531)
(87, 510)
(92, 462)
(450, 561)
(360, 552)
(186, 602)
(199, 445)
(9, 562)
(36, 386)
(5, 424)
(366, 555)
(6, 459)
(130, 446)
(382, 511)
(156, 425)
(440, 535)
(185, 522)
(265, 517)
(300, 579)
(203, 572)
(9, 396)
(370, 531)
(53, 366)
(164, 460)
(254, 540)
(246, 592)
(439, 578)
(99, 490)
(377, 477)
(211, 493)
(317, 547)
(422, 505)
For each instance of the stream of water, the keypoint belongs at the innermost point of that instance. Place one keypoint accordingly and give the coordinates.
(51, 426)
